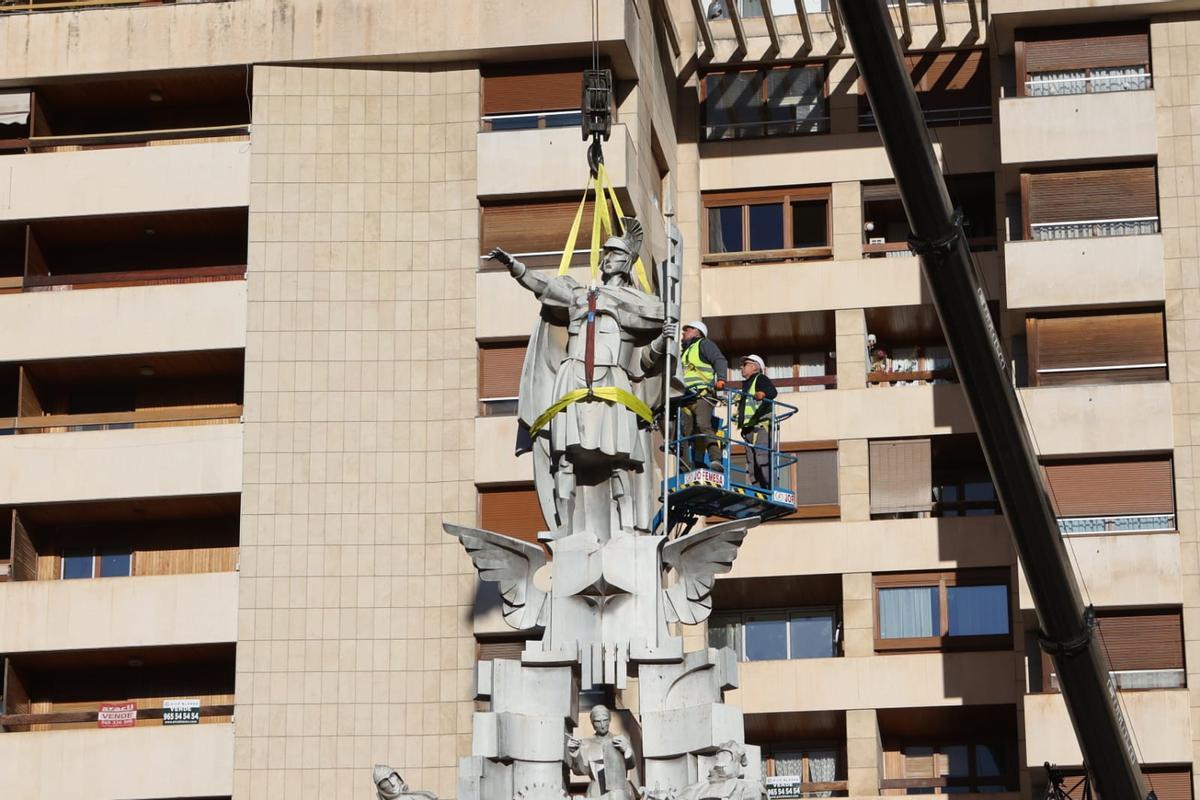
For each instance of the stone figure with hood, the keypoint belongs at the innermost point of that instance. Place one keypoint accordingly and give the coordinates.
(591, 380)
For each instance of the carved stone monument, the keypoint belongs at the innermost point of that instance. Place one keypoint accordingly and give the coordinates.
(590, 387)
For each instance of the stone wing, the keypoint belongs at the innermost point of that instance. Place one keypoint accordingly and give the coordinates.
(698, 559)
(511, 563)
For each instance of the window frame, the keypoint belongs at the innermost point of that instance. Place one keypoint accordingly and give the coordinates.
(764, 98)
(787, 613)
(971, 781)
(815, 511)
(943, 641)
(747, 198)
(97, 557)
(805, 748)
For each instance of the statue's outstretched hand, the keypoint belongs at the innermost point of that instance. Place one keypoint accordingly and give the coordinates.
(499, 254)
(670, 329)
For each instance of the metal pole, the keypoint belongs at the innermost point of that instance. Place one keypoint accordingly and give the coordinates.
(975, 346)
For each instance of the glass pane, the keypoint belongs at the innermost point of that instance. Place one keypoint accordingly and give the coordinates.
(809, 224)
(909, 612)
(988, 762)
(116, 564)
(789, 762)
(766, 638)
(978, 610)
(957, 761)
(725, 230)
(77, 564)
(794, 100)
(980, 490)
(722, 632)
(812, 636)
(733, 105)
(766, 226)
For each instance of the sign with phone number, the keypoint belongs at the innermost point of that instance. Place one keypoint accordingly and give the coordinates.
(181, 712)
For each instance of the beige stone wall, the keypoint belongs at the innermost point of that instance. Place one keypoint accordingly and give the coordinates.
(1173, 44)
(354, 628)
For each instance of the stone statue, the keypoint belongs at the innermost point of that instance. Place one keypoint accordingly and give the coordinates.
(605, 759)
(726, 780)
(390, 786)
(596, 356)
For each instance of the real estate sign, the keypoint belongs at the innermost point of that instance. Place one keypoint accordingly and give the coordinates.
(117, 715)
(181, 712)
(784, 786)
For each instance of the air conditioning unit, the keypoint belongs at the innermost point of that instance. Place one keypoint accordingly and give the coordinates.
(877, 240)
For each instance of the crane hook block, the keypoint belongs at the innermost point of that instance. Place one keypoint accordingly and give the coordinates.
(597, 103)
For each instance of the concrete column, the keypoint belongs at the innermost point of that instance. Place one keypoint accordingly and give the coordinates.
(850, 329)
(854, 490)
(846, 207)
(858, 620)
(864, 752)
(843, 100)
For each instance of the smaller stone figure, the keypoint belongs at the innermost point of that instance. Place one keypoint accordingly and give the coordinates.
(725, 780)
(390, 786)
(604, 758)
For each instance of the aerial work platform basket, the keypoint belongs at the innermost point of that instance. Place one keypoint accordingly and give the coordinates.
(697, 488)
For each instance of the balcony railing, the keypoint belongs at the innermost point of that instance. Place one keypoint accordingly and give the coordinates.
(902, 249)
(1133, 523)
(142, 277)
(532, 120)
(22, 721)
(18, 6)
(84, 141)
(1093, 228)
(1082, 81)
(147, 418)
(724, 131)
(965, 115)
(1139, 679)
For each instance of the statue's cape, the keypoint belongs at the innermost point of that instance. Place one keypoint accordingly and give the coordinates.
(636, 311)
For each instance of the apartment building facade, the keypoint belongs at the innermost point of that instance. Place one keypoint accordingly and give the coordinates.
(252, 356)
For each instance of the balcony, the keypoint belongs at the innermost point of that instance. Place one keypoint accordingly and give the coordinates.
(494, 459)
(1123, 570)
(119, 612)
(126, 320)
(113, 464)
(552, 161)
(1114, 270)
(1160, 722)
(1076, 420)
(1113, 124)
(68, 184)
(187, 761)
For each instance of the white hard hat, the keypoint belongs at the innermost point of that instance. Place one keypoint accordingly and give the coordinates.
(698, 325)
(757, 360)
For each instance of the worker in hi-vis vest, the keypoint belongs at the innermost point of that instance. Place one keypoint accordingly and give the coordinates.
(754, 419)
(704, 371)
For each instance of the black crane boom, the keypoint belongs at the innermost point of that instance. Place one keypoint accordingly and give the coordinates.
(961, 304)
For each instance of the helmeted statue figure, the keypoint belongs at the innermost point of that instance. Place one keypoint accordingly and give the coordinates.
(390, 786)
(591, 379)
(606, 759)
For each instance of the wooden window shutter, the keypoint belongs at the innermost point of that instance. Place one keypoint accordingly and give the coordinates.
(872, 192)
(540, 227)
(1145, 640)
(1100, 340)
(1170, 783)
(901, 476)
(816, 477)
(1064, 49)
(951, 78)
(522, 89)
(500, 369)
(1093, 194)
(1100, 488)
(15, 697)
(507, 648)
(24, 555)
(512, 511)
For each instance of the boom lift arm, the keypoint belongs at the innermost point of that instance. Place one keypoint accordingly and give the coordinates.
(1068, 630)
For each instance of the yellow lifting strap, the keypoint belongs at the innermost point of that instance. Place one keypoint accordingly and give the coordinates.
(610, 394)
(602, 222)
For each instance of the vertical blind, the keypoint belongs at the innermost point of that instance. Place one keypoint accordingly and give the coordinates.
(816, 477)
(901, 477)
(1115, 487)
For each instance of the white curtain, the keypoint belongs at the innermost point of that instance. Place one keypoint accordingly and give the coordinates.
(909, 612)
(811, 365)
(1119, 79)
(822, 768)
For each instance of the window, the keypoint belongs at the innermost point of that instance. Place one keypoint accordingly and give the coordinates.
(115, 563)
(948, 768)
(1144, 648)
(765, 102)
(531, 96)
(803, 769)
(1104, 495)
(1088, 203)
(885, 225)
(777, 635)
(107, 562)
(808, 371)
(954, 87)
(814, 478)
(777, 224)
(1118, 347)
(500, 377)
(962, 485)
(901, 477)
(513, 511)
(77, 564)
(1082, 59)
(945, 476)
(1167, 782)
(968, 609)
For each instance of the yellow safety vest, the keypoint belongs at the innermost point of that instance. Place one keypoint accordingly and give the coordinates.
(750, 406)
(697, 373)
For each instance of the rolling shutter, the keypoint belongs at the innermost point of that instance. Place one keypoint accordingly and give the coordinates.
(521, 89)
(901, 476)
(1170, 783)
(1065, 49)
(816, 477)
(512, 511)
(530, 227)
(1096, 488)
(1092, 194)
(1099, 340)
(1146, 640)
(500, 370)
(506, 648)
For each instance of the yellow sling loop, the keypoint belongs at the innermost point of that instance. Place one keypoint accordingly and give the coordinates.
(609, 394)
(602, 222)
